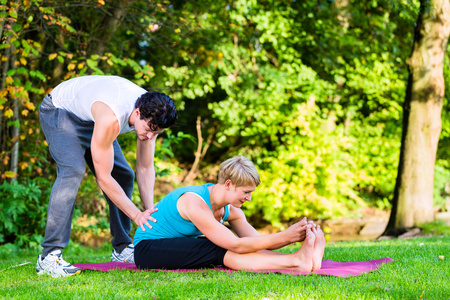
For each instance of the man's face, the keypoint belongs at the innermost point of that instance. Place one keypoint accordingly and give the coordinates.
(143, 130)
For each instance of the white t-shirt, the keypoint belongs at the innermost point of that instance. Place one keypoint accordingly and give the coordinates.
(78, 94)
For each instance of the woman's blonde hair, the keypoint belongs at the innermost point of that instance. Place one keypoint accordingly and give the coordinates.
(240, 170)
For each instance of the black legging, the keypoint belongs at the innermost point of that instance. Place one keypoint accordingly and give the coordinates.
(178, 253)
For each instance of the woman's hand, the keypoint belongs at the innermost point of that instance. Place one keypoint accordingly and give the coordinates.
(297, 232)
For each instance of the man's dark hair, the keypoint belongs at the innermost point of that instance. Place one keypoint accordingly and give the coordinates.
(158, 108)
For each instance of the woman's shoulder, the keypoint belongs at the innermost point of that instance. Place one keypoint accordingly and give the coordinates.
(200, 190)
(197, 189)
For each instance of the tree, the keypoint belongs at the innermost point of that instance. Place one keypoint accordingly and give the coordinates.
(413, 194)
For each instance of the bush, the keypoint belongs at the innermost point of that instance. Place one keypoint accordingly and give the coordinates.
(441, 180)
(308, 174)
(23, 210)
(436, 228)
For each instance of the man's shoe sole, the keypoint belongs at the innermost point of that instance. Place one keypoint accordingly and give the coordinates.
(43, 272)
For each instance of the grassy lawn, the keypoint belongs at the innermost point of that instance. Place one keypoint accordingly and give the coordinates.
(421, 270)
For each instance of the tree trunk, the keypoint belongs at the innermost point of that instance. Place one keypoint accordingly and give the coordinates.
(343, 16)
(58, 70)
(3, 128)
(14, 128)
(200, 153)
(413, 194)
(2, 23)
(109, 25)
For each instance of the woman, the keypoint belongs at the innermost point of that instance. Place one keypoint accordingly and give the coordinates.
(188, 212)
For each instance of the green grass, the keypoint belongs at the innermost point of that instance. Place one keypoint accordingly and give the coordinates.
(417, 273)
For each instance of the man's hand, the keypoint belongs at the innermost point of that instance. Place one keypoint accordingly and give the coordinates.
(143, 217)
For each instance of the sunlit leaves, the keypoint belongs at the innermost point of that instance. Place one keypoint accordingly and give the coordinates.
(9, 80)
(54, 18)
(71, 66)
(10, 174)
(8, 113)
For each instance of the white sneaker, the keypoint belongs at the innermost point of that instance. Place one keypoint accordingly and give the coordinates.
(127, 255)
(54, 265)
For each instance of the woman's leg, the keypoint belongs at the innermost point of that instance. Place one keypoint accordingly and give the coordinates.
(178, 253)
(271, 252)
(319, 247)
(302, 260)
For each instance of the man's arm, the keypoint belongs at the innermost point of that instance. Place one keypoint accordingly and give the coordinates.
(145, 170)
(106, 130)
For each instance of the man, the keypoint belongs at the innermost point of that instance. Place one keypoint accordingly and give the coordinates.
(81, 120)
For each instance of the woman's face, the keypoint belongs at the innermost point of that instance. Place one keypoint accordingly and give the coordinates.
(239, 195)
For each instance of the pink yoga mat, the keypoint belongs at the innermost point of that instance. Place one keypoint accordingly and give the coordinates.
(329, 267)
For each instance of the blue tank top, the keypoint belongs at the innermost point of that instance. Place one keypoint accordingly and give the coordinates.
(170, 224)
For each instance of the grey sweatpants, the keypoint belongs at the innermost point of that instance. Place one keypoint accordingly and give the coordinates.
(69, 140)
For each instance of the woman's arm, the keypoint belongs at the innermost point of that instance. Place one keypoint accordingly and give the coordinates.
(240, 225)
(191, 207)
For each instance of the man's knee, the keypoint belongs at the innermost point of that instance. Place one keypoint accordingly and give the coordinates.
(125, 178)
(75, 172)
(128, 175)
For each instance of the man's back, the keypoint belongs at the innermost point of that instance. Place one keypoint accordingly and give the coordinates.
(78, 94)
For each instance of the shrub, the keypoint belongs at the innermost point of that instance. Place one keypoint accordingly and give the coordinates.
(23, 210)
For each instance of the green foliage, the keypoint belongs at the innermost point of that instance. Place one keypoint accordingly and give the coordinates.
(436, 228)
(312, 172)
(312, 92)
(441, 184)
(163, 149)
(22, 213)
(325, 136)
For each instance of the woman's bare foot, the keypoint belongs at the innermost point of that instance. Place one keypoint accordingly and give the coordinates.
(306, 252)
(319, 248)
